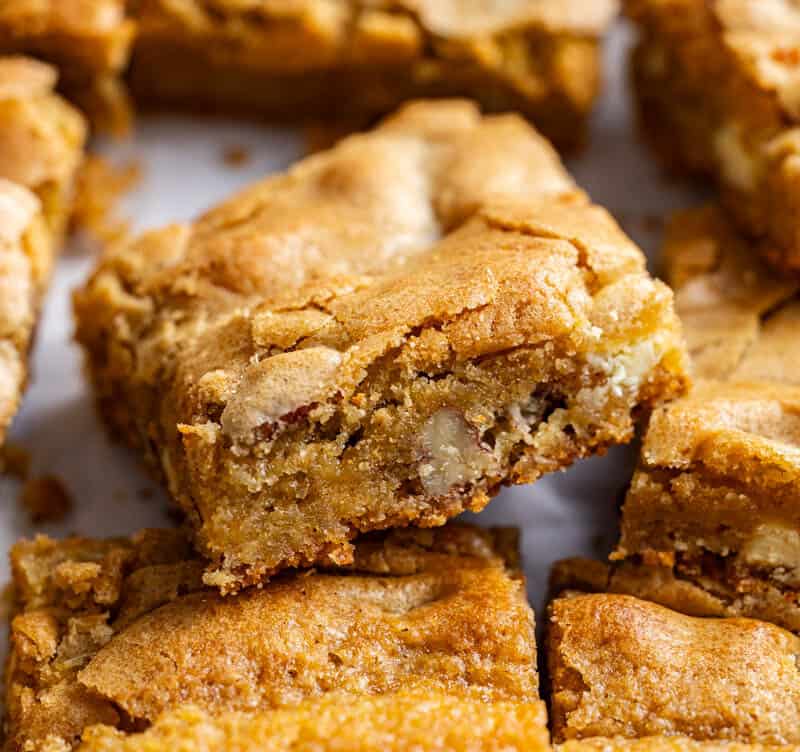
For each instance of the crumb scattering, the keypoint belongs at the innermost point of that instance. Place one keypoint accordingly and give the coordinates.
(100, 187)
(46, 499)
(236, 156)
(15, 461)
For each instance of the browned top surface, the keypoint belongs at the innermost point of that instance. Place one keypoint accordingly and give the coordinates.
(626, 667)
(287, 293)
(125, 625)
(402, 721)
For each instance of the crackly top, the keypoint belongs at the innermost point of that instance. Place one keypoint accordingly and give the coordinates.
(441, 610)
(333, 20)
(402, 721)
(739, 430)
(761, 38)
(740, 318)
(621, 666)
(742, 420)
(285, 294)
(41, 136)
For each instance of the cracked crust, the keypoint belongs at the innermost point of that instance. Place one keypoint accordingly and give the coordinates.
(41, 141)
(538, 57)
(719, 91)
(441, 614)
(383, 336)
(88, 40)
(624, 667)
(710, 522)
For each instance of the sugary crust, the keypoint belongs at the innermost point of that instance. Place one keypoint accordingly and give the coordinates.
(712, 504)
(625, 667)
(41, 141)
(288, 60)
(382, 336)
(395, 722)
(438, 611)
(738, 316)
(676, 589)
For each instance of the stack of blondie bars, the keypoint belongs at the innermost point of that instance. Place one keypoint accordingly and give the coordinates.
(330, 366)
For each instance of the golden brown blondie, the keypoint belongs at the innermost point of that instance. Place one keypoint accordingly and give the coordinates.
(710, 522)
(357, 60)
(89, 41)
(123, 634)
(395, 722)
(382, 336)
(718, 84)
(41, 147)
(625, 667)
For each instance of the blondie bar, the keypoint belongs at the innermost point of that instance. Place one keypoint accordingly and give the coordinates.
(357, 60)
(718, 84)
(122, 634)
(396, 722)
(625, 667)
(41, 146)
(383, 336)
(89, 41)
(710, 520)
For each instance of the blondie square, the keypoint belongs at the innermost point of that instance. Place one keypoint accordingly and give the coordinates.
(396, 722)
(719, 90)
(357, 60)
(711, 521)
(383, 336)
(121, 635)
(625, 667)
(88, 40)
(41, 147)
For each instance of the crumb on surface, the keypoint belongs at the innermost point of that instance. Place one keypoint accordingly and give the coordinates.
(100, 187)
(15, 461)
(236, 156)
(46, 499)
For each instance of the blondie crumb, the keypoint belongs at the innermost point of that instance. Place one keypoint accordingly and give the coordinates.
(236, 156)
(383, 336)
(99, 188)
(425, 624)
(46, 499)
(15, 460)
(622, 667)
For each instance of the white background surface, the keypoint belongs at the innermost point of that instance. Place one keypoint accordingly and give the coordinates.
(565, 514)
